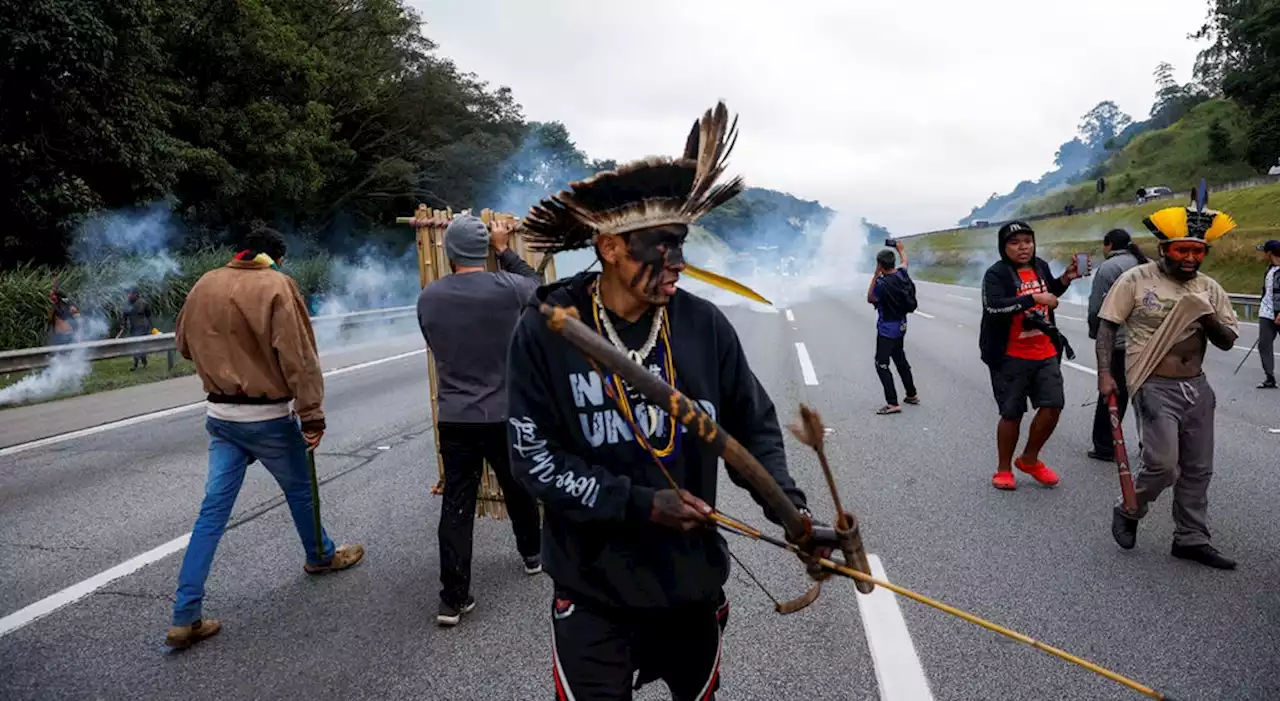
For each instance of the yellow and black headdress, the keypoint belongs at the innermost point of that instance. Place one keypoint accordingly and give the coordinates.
(1195, 221)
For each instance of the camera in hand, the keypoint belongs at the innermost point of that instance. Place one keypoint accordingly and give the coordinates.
(1035, 319)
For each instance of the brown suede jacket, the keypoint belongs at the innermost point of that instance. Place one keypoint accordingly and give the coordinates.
(246, 327)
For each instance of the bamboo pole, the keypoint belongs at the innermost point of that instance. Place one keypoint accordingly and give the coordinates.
(433, 264)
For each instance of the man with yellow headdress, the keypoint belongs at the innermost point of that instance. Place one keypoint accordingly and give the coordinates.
(1171, 311)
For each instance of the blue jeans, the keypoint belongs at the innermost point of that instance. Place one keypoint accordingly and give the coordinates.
(279, 446)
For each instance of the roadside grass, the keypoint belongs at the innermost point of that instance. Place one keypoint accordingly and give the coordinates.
(1176, 157)
(961, 254)
(113, 373)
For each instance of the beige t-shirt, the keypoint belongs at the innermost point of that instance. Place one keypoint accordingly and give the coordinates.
(1143, 297)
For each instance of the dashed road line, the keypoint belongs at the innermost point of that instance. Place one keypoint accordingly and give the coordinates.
(899, 673)
(790, 316)
(1081, 368)
(925, 315)
(806, 365)
(133, 420)
(967, 299)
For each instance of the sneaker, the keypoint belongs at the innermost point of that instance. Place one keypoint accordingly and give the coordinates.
(1123, 528)
(449, 616)
(1204, 554)
(1004, 480)
(1269, 383)
(533, 564)
(1039, 472)
(183, 637)
(344, 557)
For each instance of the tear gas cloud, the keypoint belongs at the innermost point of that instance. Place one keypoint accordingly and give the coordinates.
(129, 248)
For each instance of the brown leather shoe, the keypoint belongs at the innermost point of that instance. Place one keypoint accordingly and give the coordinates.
(344, 557)
(183, 637)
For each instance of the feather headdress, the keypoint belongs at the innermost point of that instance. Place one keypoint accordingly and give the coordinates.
(1195, 221)
(650, 192)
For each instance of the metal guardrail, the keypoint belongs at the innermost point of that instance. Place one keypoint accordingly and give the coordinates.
(36, 358)
(1251, 304)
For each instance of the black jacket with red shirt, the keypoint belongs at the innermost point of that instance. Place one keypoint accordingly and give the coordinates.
(1001, 301)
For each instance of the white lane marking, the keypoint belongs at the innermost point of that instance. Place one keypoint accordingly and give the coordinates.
(1081, 368)
(75, 592)
(92, 430)
(923, 314)
(790, 316)
(1249, 348)
(806, 365)
(1064, 316)
(967, 299)
(899, 673)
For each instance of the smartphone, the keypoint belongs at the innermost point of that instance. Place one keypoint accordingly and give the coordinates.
(891, 243)
(1082, 264)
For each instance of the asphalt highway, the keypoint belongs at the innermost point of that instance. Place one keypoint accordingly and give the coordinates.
(1038, 560)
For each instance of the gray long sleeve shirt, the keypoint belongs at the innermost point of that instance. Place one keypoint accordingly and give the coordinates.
(467, 321)
(1111, 269)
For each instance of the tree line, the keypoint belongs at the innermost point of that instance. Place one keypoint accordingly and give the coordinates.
(320, 117)
(323, 118)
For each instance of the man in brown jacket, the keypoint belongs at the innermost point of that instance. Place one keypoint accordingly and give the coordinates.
(246, 327)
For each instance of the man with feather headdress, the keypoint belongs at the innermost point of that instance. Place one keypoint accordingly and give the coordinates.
(639, 577)
(1171, 312)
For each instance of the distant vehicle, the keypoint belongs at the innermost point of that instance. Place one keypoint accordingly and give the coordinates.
(1146, 194)
(980, 223)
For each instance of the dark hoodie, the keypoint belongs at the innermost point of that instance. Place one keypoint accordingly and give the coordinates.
(574, 452)
(1001, 301)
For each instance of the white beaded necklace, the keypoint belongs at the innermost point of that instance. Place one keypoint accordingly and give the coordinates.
(643, 352)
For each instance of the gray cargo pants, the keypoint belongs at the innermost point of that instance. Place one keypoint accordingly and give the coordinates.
(1175, 429)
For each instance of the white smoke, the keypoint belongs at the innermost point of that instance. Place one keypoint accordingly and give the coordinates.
(783, 280)
(373, 280)
(65, 373)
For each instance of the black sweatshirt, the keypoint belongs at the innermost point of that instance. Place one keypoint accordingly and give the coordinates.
(1001, 301)
(573, 450)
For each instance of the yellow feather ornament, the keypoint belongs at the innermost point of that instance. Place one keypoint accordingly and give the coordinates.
(724, 283)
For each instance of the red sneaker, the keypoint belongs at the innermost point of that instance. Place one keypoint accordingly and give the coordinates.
(1004, 480)
(1039, 472)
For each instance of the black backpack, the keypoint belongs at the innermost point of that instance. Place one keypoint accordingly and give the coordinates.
(898, 295)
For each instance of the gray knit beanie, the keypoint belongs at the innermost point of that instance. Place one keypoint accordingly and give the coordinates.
(466, 241)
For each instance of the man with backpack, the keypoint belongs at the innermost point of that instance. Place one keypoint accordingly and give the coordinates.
(1022, 348)
(893, 294)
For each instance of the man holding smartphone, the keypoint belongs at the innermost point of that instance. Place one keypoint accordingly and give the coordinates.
(893, 294)
(1019, 295)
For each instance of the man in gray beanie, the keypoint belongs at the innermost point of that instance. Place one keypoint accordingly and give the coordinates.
(467, 319)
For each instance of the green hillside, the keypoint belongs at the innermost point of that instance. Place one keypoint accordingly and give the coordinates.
(1175, 157)
(961, 255)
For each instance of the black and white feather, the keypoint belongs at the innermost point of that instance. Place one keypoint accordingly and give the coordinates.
(654, 191)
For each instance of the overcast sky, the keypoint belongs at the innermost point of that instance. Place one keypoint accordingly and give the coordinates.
(908, 113)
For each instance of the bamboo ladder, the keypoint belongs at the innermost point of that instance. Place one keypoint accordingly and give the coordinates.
(433, 264)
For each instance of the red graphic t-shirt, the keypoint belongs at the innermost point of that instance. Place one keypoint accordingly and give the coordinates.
(1030, 344)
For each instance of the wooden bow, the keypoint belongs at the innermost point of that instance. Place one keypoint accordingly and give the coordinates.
(808, 542)
(801, 537)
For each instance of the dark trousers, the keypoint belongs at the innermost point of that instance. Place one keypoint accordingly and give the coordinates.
(601, 653)
(1102, 444)
(464, 448)
(1266, 346)
(892, 348)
